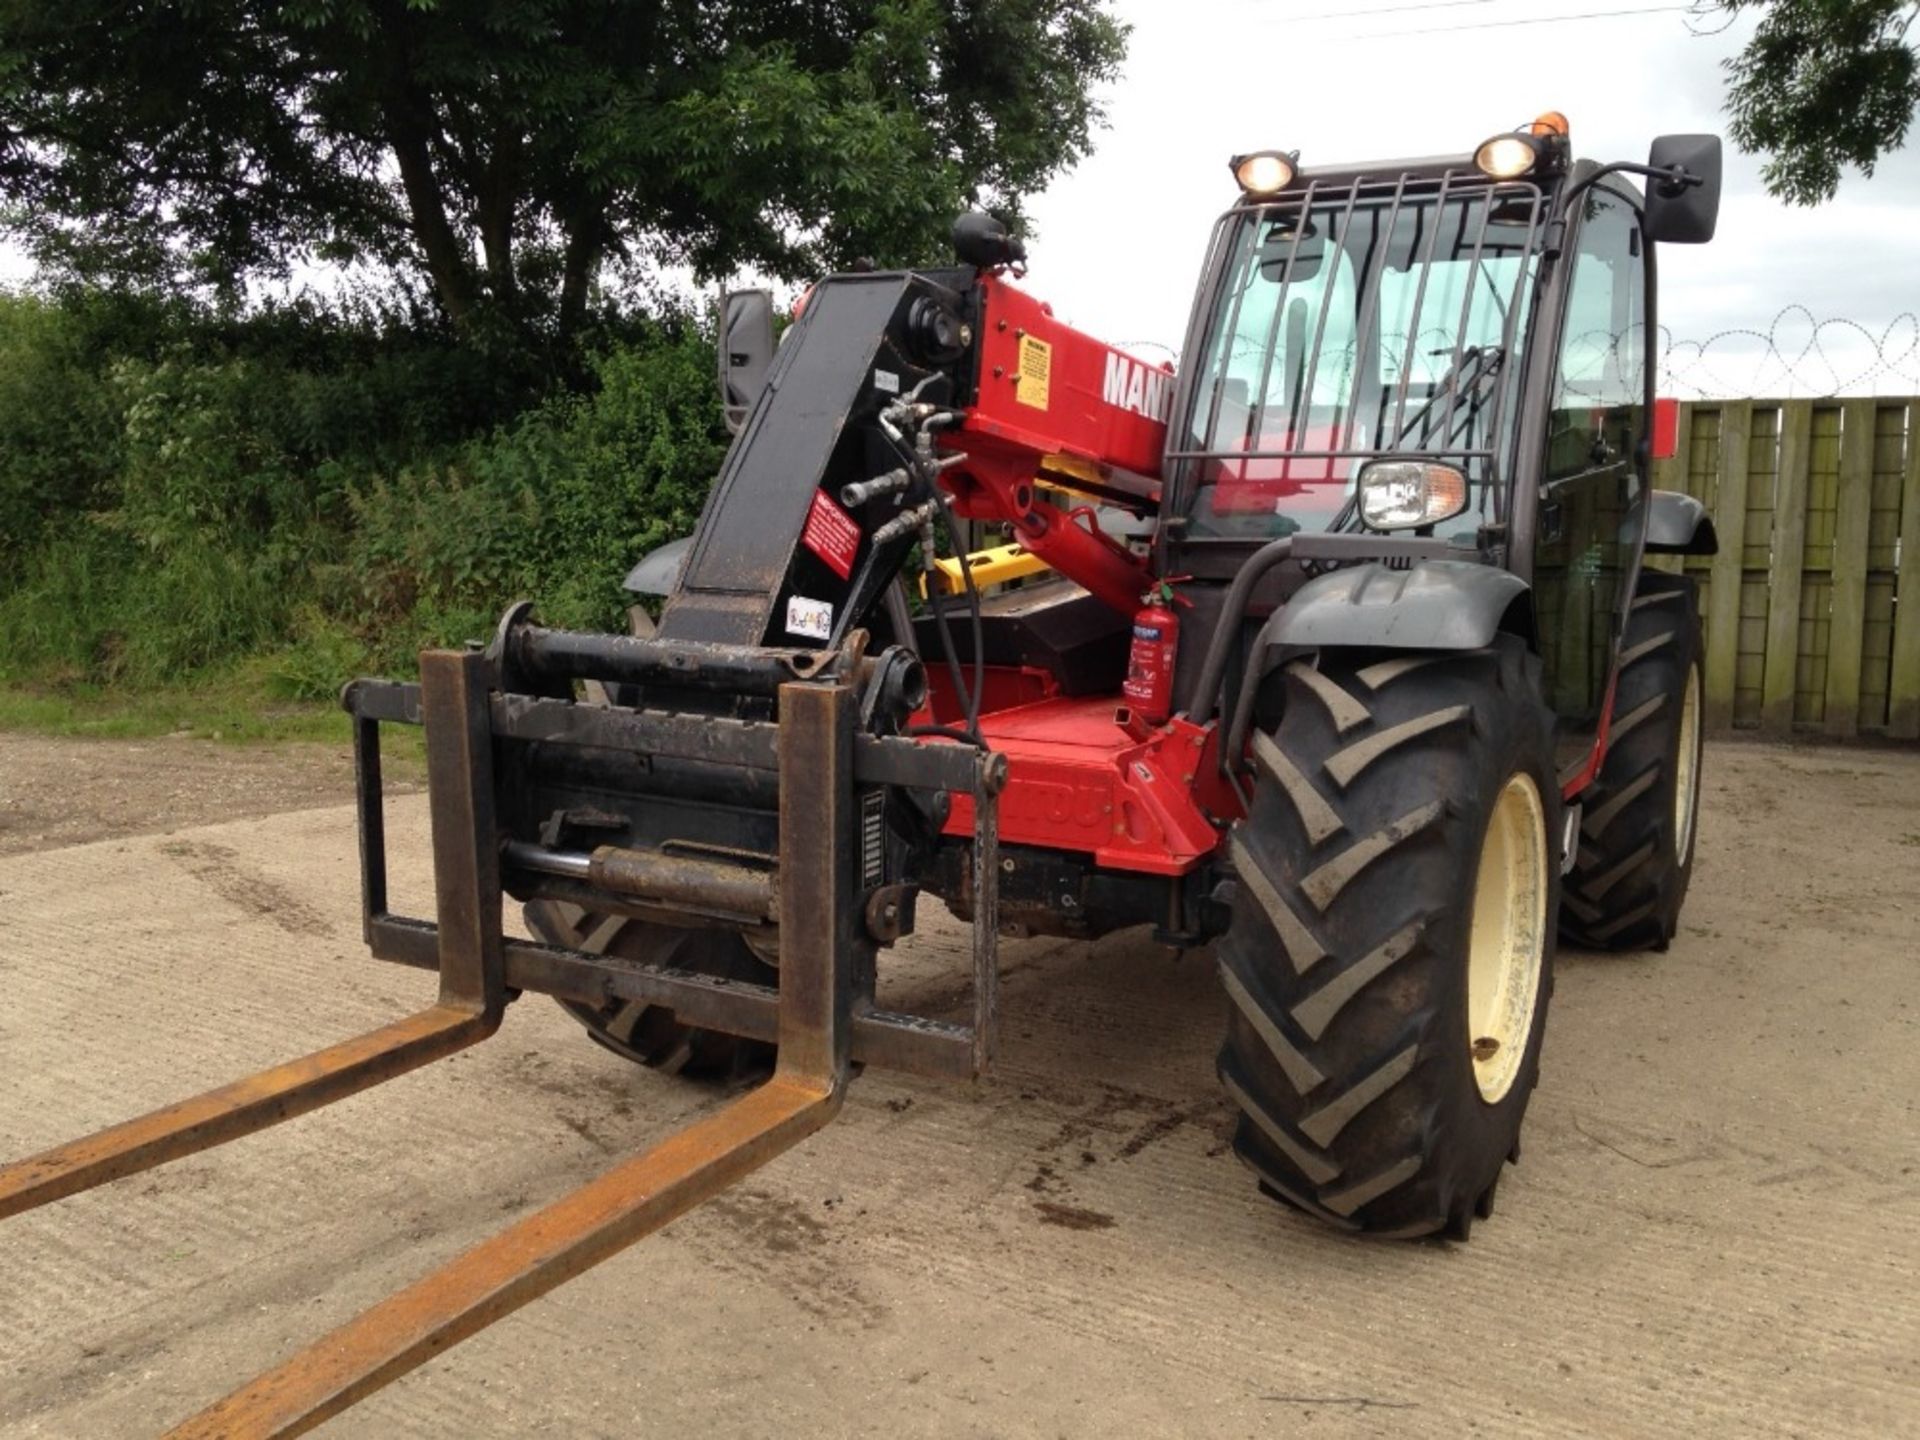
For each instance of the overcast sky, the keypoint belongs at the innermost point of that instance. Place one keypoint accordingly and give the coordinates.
(1118, 242)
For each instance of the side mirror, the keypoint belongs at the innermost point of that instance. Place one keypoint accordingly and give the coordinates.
(1683, 207)
(746, 351)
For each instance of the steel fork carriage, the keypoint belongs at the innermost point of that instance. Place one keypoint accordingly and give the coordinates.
(510, 756)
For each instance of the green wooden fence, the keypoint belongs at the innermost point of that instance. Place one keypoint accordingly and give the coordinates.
(1812, 606)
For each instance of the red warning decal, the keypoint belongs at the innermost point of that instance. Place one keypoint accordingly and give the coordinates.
(831, 534)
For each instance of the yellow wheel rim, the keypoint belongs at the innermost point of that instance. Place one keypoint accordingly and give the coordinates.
(1686, 768)
(1507, 939)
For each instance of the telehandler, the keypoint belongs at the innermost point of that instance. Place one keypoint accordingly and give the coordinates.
(1335, 647)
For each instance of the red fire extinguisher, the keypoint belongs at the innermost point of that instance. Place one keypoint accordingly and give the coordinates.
(1156, 636)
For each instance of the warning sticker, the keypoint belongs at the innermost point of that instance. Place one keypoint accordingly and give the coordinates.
(832, 534)
(811, 618)
(1036, 372)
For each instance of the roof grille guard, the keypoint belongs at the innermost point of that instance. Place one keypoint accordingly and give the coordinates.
(1360, 316)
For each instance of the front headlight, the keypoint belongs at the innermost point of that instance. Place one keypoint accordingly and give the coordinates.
(1405, 494)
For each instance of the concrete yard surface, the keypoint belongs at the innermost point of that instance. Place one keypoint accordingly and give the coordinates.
(1714, 1230)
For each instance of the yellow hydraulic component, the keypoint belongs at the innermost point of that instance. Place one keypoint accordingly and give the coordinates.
(995, 565)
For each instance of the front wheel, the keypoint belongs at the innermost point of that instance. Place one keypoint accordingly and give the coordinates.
(1390, 952)
(652, 1035)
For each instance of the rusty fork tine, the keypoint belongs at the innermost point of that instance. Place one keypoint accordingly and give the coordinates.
(453, 696)
(523, 1262)
(823, 948)
(240, 1108)
(631, 1201)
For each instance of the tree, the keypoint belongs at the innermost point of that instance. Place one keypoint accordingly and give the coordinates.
(506, 150)
(1821, 85)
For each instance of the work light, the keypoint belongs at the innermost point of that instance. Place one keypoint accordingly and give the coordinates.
(1507, 157)
(1405, 494)
(1514, 153)
(1264, 172)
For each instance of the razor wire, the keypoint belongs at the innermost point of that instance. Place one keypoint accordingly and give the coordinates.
(1797, 356)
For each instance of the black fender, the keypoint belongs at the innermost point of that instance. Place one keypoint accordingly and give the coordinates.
(1679, 525)
(1431, 605)
(659, 569)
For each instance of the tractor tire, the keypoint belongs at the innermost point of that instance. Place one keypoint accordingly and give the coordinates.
(1390, 953)
(1637, 820)
(646, 1034)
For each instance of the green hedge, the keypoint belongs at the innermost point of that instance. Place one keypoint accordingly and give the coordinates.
(181, 491)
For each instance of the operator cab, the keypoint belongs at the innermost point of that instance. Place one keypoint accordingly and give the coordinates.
(1454, 349)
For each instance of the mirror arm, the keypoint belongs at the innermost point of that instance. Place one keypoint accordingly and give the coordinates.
(1673, 180)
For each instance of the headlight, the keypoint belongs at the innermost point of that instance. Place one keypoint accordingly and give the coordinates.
(1265, 172)
(1404, 494)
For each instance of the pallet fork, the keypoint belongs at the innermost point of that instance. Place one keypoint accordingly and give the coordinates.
(822, 1015)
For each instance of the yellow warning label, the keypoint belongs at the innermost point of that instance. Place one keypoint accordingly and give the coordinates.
(1036, 371)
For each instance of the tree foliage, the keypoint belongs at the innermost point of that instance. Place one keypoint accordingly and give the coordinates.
(1823, 84)
(183, 491)
(505, 151)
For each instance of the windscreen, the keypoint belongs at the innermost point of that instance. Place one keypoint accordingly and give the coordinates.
(1350, 322)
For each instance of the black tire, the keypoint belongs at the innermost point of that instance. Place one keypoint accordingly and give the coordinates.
(1348, 1048)
(651, 1035)
(1635, 857)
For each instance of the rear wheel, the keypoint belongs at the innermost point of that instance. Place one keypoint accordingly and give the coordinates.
(1389, 957)
(1635, 859)
(652, 1035)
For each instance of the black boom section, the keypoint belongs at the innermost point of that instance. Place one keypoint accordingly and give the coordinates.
(858, 347)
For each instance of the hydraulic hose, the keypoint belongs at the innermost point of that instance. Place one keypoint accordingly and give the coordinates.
(969, 696)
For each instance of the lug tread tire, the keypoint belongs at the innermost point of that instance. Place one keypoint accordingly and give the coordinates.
(651, 1035)
(1628, 880)
(1347, 1051)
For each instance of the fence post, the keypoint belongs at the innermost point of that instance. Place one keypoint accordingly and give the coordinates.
(1853, 516)
(1903, 689)
(1783, 572)
(1723, 594)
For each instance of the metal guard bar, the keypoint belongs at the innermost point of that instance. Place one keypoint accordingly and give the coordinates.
(877, 759)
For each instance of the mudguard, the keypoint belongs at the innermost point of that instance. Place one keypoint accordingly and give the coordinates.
(1679, 525)
(1432, 605)
(658, 569)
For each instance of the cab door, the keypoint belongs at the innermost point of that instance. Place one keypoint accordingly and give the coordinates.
(1593, 493)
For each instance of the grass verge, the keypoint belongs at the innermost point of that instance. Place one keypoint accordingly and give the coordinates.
(245, 703)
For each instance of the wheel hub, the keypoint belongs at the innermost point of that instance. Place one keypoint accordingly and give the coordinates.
(1686, 769)
(1507, 944)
